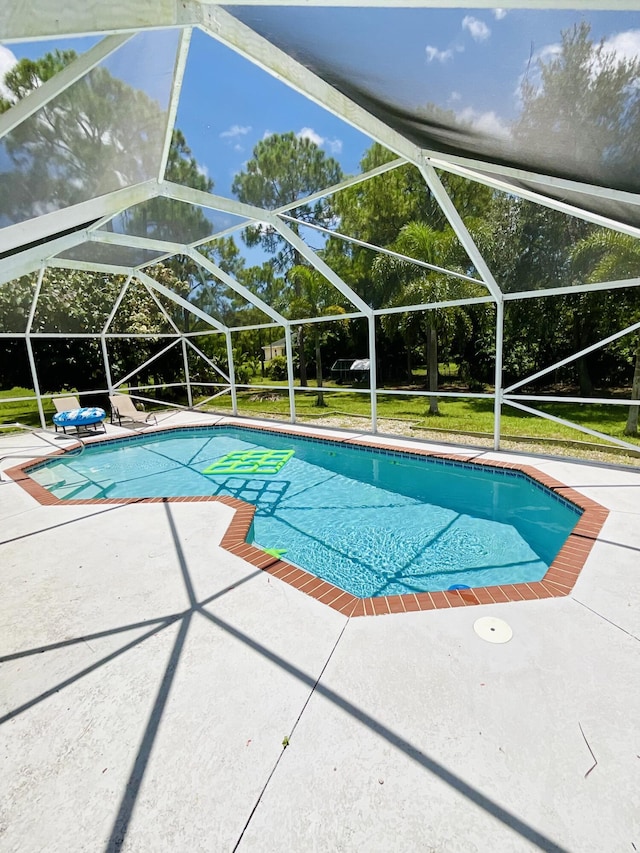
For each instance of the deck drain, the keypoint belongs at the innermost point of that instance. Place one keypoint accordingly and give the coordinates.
(493, 630)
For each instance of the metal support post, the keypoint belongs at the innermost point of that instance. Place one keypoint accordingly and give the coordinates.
(497, 410)
(373, 378)
(292, 393)
(232, 374)
(187, 376)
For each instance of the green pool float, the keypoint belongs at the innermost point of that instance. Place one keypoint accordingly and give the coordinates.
(250, 462)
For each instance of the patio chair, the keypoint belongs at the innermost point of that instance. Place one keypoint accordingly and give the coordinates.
(123, 409)
(66, 404)
(69, 413)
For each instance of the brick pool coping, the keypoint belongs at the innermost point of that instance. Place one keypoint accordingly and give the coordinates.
(558, 581)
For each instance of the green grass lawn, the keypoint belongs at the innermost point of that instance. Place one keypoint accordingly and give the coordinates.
(466, 416)
(463, 416)
(23, 411)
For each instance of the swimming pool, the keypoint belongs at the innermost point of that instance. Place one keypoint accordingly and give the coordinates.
(372, 522)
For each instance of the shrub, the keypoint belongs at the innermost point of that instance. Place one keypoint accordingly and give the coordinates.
(277, 368)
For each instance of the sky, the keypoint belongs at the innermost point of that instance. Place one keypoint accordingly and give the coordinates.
(469, 61)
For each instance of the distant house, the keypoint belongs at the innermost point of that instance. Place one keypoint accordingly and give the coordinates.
(275, 349)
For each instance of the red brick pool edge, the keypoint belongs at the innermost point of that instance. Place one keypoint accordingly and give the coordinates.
(558, 581)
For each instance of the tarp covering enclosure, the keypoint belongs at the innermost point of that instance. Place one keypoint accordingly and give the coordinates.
(385, 60)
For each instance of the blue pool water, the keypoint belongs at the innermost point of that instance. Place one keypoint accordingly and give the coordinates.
(371, 522)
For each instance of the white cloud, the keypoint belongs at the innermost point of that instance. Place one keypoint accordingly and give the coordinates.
(441, 55)
(478, 29)
(625, 45)
(234, 131)
(488, 122)
(310, 134)
(454, 96)
(202, 170)
(7, 61)
(334, 146)
(499, 14)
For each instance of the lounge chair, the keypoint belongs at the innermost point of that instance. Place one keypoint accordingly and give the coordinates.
(69, 413)
(123, 409)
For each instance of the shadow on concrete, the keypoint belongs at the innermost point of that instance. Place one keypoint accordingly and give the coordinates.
(130, 795)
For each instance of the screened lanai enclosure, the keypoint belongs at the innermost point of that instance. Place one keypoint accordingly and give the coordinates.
(451, 193)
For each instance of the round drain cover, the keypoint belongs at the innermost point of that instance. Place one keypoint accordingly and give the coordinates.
(493, 630)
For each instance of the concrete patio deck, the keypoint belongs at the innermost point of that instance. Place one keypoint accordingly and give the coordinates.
(149, 678)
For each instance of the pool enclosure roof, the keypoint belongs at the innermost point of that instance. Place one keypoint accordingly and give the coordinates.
(361, 61)
(99, 199)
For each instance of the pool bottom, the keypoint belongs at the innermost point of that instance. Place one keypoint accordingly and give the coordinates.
(558, 580)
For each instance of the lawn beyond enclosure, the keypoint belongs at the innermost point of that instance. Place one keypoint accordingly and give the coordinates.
(459, 417)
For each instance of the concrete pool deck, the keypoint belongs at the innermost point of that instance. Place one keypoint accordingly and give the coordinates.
(149, 679)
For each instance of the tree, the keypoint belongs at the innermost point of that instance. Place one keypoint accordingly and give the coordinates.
(101, 129)
(611, 256)
(584, 108)
(314, 299)
(283, 168)
(72, 301)
(416, 285)
(96, 136)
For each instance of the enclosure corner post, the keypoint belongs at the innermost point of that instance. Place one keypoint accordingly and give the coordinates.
(187, 375)
(497, 411)
(292, 393)
(373, 373)
(30, 355)
(232, 374)
(105, 360)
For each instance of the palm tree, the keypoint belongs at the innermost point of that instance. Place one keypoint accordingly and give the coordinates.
(414, 285)
(611, 256)
(312, 298)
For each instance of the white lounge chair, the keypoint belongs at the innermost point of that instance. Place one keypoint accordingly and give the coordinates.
(69, 413)
(66, 404)
(123, 409)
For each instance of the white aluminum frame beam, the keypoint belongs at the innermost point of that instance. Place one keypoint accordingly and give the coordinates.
(40, 19)
(431, 306)
(88, 266)
(147, 362)
(352, 181)
(455, 220)
(29, 260)
(131, 241)
(51, 88)
(162, 309)
(496, 183)
(334, 188)
(240, 289)
(183, 303)
(383, 251)
(206, 358)
(616, 441)
(77, 215)
(603, 343)
(333, 278)
(209, 200)
(571, 288)
(176, 89)
(559, 184)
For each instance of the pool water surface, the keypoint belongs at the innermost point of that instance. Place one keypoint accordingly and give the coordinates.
(372, 522)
